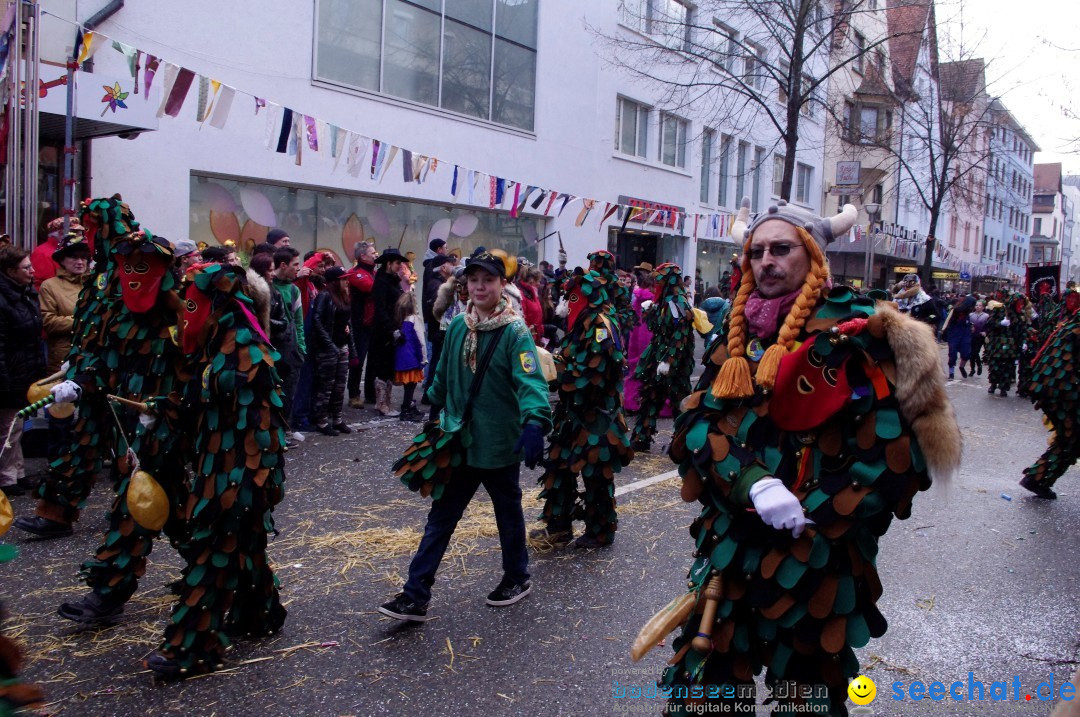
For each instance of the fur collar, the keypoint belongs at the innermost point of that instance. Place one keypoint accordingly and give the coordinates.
(260, 294)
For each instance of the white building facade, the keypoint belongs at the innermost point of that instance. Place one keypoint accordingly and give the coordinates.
(514, 97)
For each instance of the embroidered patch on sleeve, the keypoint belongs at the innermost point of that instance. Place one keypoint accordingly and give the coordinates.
(528, 361)
(601, 335)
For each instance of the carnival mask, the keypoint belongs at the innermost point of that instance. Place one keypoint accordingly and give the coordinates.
(196, 311)
(807, 390)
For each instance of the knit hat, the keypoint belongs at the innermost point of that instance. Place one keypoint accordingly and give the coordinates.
(183, 247)
(334, 273)
(436, 244)
(734, 379)
(275, 235)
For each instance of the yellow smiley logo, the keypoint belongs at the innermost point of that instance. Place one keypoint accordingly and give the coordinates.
(862, 690)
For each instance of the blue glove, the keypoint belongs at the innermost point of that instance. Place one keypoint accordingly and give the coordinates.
(531, 442)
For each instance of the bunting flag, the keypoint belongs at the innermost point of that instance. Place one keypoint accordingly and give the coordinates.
(551, 201)
(376, 147)
(470, 183)
(587, 205)
(517, 194)
(91, 43)
(454, 184)
(355, 152)
(129, 52)
(177, 83)
(389, 161)
(286, 129)
(311, 132)
(609, 209)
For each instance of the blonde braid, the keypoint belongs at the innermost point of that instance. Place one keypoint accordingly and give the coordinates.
(733, 380)
(769, 365)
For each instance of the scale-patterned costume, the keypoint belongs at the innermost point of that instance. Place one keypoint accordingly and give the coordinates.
(841, 404)
(15, 694)
(671, 321)
(1054, 391)
(145, 357)
(94, 364)
(1042, 325)
(590, 433)
(1003, 343)
(228, 585)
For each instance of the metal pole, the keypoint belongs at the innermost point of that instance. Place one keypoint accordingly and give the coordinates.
(30, 151)
(13, 171)
(68, 179)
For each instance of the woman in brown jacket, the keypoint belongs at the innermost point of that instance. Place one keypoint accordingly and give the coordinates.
(59, 294)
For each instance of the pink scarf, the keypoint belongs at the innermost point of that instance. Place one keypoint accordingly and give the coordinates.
(763, 315)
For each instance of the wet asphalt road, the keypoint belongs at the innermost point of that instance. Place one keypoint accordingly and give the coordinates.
(973, 582)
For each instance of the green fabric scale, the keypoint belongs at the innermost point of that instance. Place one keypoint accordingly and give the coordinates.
(794, 607)
(589, 435)
(1054, 391)
(233, 492)
(673, 342)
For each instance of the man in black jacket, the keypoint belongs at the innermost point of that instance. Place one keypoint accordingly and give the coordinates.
(437, 270)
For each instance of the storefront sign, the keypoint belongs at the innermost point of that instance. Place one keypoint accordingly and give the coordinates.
(660, 220)
(848, 173)
(848, 191)
(898, 231)
(939, 274)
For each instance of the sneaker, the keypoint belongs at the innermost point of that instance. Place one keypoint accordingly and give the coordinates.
(963, 372)
(342, 427)
(402, 608)
(1004, 392)
(952, 376)
(326, 429)
(1041, 491)
(508, 592)
(93, 609)
(356, 402)
(43, 527)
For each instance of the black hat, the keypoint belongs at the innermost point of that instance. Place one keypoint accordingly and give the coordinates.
(435, 244)
(440, 259)
(488, 262)
(71, 243)
(334, 273)
(390, 254)
(275, 235)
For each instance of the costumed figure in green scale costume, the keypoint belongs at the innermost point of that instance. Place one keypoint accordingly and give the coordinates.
(667, 362)
(228, 587)
(1006, 332)
(1053, 389)
(818, 418)
(590, 433)
(93, 370)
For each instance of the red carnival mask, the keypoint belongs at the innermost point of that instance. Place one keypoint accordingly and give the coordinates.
(807, 392)
(196, 311)
(140, 279)
(575, 302)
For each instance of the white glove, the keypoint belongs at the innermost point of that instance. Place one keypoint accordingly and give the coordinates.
(397, 334)
(147, 421)
(66, 392)
(1005, 322)
(646, 305)
(777, 506)
(663, 368)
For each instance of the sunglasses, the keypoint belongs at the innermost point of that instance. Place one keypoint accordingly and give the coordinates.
(776, 250)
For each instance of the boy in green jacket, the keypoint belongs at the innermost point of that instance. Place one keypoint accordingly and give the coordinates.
(509, 417)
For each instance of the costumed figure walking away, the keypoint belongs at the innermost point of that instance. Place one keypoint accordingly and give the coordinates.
(590, 433)
(93, 371)
(1006, 331)
(151, 455)
(1043, 314)
(492, 406)
(227, 588)
(667, 362)
(819, 416)
(911, 299)
(1053, 390)
(640, 336)
(957, 331)
(385, 295)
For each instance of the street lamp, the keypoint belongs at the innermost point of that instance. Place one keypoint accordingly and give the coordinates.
(872, 209)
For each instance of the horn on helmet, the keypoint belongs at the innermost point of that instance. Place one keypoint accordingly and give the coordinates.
(843, 221)
(742, 220)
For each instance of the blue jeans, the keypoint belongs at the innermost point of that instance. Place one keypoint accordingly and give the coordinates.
(959, 343)
(502, 484)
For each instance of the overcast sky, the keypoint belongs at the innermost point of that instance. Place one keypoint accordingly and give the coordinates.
(1033, 51)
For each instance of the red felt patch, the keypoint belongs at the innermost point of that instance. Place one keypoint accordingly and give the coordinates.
(807, 392)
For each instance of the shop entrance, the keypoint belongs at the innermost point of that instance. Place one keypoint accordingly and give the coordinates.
(631, 248)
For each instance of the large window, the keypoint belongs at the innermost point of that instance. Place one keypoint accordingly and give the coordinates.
(632, 127)
(473, 57)
(726, 40)
(860, 49)
(740, 173)
(755, 194)
(804, 173)
(673, 140)
(668, 20)
(724, 171)
(778, 175)
(706, 164)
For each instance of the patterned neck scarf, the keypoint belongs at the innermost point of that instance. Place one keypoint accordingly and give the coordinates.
(501, 316)
(764, 315)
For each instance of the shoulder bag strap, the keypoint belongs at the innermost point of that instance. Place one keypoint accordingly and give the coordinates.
(481, 369)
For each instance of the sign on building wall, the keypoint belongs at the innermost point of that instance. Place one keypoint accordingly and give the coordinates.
(848, 173)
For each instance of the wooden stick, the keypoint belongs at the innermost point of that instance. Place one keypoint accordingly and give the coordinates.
(140, 407)
(703, 641)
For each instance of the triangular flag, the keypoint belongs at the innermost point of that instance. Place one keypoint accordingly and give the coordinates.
(149, 72)
(222, 107)
(389, 160)
(91, 43)
(128, 52)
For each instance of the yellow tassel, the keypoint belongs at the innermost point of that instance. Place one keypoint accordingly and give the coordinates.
(733, 380)
(769, 366)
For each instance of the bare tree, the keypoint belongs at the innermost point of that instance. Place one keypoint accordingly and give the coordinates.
(744, 62)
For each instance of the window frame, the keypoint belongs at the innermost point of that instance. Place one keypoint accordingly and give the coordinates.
(708, 141)
(682, 130)
(778, 174)
(802, 187)
(642, 116)
(858, 40)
